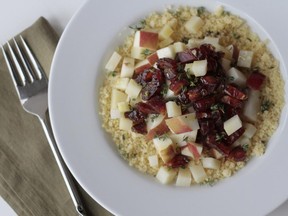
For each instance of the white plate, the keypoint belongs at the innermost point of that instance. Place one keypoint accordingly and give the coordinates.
(76, 76)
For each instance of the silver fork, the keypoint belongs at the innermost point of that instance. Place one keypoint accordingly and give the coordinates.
(32, 87)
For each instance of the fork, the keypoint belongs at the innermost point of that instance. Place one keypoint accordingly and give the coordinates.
(32, 88)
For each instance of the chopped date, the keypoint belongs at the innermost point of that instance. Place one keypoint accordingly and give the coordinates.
(178, 161)
(140, 127)
(151, 89)
(168, 67)
(135, 116)
(204, 104)
(158, 104)
(238, 154)
(178, 85)
(188, 56)
(233, 91)
(234, 136)
(145, 108)
(232, 101)
(206, 126)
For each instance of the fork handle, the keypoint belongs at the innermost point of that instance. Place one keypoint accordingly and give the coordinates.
(62, 166)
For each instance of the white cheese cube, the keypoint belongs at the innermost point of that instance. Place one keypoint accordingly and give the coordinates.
(245, 58)
(133, 89)
(116, 97)
(173, 109)
(123, 106)
(179, 47)
(233, 124)
(127, 68)
(166, 175)
(113, 61)
(183, 178)
(194, 24)
(199, 68)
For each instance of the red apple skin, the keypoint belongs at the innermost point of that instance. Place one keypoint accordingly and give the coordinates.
(167, 154)
(148, 40)
(177, 125)
(152, 58)
(193, 149)
(141, 68)
(157, 131)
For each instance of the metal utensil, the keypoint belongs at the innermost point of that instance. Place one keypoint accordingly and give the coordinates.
(32, 87)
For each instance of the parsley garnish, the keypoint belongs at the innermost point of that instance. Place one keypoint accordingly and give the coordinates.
(185, 40)
(266, 105)
(245, 147)
(219, 137)
(200, 11)
(139, 25)
(164, 89)
(146, 52)
(217, 107)
(112, 73)
(225, 13)
(154, 116)
(236, 36)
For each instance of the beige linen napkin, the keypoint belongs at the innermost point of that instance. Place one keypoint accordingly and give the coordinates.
(30, 180)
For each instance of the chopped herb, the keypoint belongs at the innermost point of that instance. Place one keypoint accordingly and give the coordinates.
(154, 116)
(266, 105)
(112, 73)
(249, 39)
(226, 13)
(217, 106)
(231, 78)
(185, 139)
(139, 25)
(185, 40)
(236, 36)
(219, 137)
(164, 89)
(245, 147)
(162, 137)
(200, 11)
(123, 137)
(192, 84)
(184, 88)
(146, 52)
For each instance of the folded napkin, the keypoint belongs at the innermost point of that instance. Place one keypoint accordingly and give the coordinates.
(30, 180)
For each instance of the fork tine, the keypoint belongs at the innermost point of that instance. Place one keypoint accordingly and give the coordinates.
(36, 66)
(28, 71)
(13, 66)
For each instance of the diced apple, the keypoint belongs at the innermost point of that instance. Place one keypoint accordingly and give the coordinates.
(125, 124)
(121, 83)
(127, 68)
(183, 138)
(233, 124)
(133, 89)
(166, 175)
(165, 32)
(162, 143)
(216, 154)
(173, 109)
(197, 68)
(179, 47)
(185, 151)
(195, 149)
(152, 58)
(236, 76)
(170, 94)
(184, 178)
(166, 42)
(252, 105)
(198, 172)
(182, 124)
(210, 40)
(193, 42)
(226, 64)
(115, 114)
(133, 101)
(250, 130)
(142, 65)
(233, 50)
(210, 163)
(245, 58)
(153, 160)
(146, 39)
(194, 24)
(113, 61)
(139, 52)
(166, 52)
(153, 121)
(167, 154)
(157, 131)
(116, 97)
(123, 106)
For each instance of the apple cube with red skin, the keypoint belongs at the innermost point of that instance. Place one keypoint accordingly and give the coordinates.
(152, 58)
(157, 131)
(256, 80)
(146, 39)
(183, 123)
(142, 65)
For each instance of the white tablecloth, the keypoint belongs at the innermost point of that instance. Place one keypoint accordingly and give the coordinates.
(18, 14)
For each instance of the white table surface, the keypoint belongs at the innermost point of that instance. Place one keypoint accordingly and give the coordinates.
(18, 14)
